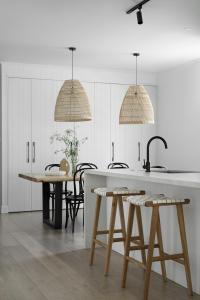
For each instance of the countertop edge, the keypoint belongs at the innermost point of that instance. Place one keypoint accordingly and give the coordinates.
(147, 178)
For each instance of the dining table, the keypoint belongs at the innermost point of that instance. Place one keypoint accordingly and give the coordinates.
(46, 180)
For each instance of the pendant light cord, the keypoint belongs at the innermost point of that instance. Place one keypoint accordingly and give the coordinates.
(136, 69)
(72, 88)
(72, 49)
(72, 66)
(136, 73)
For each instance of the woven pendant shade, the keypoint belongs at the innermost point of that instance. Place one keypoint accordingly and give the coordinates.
(136, 107)
(72, 103)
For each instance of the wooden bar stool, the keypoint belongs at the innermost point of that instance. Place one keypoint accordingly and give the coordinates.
(116, 194)
(155, 201)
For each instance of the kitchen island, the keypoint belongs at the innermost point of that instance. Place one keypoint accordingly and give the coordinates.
(180, 185)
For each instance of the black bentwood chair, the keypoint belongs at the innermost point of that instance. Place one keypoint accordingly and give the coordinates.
(65, 191)
(118, 165)
(86, 165)
(77, 198)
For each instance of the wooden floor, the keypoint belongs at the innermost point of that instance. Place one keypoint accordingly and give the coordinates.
(39, 263)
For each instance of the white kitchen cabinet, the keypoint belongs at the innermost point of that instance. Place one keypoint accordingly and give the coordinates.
(101, 126)
(149, 130)
(124, 137)
(30, 124)
(43, 126)
(31, 104)
(19, 143)
(97, 147)
(85, 129)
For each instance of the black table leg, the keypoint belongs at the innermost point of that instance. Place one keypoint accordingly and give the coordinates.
(57, 220)
(58, 205)
(45, 200)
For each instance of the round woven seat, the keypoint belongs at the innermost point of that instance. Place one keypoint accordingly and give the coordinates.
(157, 199)
(122, 191)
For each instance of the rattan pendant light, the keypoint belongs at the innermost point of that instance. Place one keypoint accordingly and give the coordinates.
(136, 107)
(72, 103)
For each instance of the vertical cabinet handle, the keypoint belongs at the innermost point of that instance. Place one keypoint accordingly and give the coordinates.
(139, 147)
(33, 153)
(113, 151)
(27, 152)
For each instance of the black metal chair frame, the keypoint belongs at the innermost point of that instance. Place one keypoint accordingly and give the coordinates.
(77, 198)
(118, 165)
(86, 165)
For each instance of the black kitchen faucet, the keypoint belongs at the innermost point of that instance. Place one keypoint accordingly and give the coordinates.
(147, 165)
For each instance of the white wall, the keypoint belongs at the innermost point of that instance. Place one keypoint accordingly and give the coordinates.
(55, 73)
(82, 74)
(178, 111)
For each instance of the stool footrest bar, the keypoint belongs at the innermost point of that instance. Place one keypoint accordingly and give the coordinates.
(107, 231)
(100, 243)
(178, 260)
(135, 238)
(168, 257)
(120, 239)
(141, 247)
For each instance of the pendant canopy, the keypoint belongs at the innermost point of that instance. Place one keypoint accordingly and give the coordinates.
(72, 104)
(136, 106)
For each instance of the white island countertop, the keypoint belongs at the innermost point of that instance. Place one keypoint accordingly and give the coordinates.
(178, 185)
(178, 179)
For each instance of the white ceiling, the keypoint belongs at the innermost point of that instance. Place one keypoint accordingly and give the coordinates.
(37, 31)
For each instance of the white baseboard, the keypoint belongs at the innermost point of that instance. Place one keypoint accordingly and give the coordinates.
(4, 209)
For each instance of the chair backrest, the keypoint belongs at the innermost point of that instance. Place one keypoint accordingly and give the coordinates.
(50, 166)
(86, 165)
(118, 165)
(79, 173)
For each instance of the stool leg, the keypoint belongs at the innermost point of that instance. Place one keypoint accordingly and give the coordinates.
(141, 234)
(127, 244)
(181, 221)
(110, 235)
(161, 250)
(95, 228)
(122, 219)
(154, 224)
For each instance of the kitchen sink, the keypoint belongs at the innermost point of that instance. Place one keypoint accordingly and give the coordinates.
(173, 171)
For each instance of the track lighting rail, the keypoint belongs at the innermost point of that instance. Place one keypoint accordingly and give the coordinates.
(137, 6)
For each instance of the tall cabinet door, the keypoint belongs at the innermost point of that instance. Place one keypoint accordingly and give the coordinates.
(149, 130)
(19, 143)
(44, 94)
(101, 126)
(124, 137)
(85, 129)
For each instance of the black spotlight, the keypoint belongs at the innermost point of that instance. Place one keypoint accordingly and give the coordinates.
(139, 17)
(139, 12)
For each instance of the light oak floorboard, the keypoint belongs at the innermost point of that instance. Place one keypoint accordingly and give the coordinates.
(39, 263)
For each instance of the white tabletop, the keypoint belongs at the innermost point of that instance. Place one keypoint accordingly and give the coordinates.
(178, 179)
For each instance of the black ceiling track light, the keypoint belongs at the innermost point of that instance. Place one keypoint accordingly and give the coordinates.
(139, 12)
